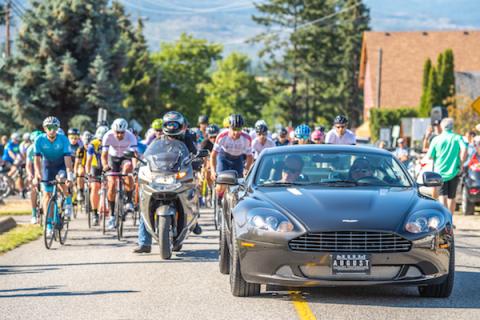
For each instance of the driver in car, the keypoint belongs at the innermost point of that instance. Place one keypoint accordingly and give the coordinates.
(292, 169)
(361, 168)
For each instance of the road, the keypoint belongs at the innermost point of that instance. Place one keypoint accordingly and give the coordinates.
(97, 277)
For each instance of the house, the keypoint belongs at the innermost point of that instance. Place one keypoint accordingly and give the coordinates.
(391, 66)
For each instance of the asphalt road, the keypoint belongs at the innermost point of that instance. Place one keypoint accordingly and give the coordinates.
(98, 277)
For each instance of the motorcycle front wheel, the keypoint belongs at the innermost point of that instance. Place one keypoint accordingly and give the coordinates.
(165, 236)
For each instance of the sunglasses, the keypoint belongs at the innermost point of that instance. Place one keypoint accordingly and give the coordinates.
(160, 130)
(237, 129)
(50, 128)
(212, 137)
(306, 137)
(120, 132)
(172, 125)
(339, 127)
(291, 170)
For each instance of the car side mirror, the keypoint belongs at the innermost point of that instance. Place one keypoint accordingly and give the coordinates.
(202, 153)
(228, 177)
(432, 179)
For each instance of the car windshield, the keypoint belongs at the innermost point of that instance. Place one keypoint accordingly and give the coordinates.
(166, 155)
(330, 169)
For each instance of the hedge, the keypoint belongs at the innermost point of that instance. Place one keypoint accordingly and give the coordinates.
(386, 118)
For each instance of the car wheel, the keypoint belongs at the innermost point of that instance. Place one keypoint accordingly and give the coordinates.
(444, 289)
(238, 285)
(468, 208)
(223, 253)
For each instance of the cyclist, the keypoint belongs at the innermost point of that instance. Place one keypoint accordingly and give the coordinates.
(26, 142)
(114, 143)
(302, 134)
(13, 159)
(30, 169)
(318, 137)
(253, 133)
(282, 139)
(340, 134)
(156, 131)
(262, 141)
(230, 149)
(174, 127)
(80, 161)
(75, 142)
(93, 167)
(202, 126)
(225, 124)
(52, 155)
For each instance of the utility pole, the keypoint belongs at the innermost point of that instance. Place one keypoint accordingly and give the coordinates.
(7, 29)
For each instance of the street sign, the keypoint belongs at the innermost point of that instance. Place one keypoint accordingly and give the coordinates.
(476, 105)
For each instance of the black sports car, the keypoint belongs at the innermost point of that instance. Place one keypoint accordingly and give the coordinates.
(331, 215)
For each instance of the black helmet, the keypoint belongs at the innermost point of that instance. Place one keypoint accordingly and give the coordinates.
(213, 130)
(340, 120)
(173, 123)
(203, 119)
(236, 121)
(282, 132)
(73, 131)
(320, 128)
(261, 128)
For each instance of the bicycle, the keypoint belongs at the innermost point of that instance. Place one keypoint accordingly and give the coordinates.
(217, 214)
(55, 213)
(103, 209)
(86, 206)
(120, 200)
(38, 204)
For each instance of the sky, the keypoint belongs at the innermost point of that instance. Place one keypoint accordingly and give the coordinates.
(229, 21)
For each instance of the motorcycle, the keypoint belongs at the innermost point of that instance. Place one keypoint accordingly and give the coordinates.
(169, 197)
(471, 190)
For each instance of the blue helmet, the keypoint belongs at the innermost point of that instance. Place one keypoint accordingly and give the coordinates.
(302, 132)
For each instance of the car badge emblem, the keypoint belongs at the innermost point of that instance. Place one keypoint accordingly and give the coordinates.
(349, 221)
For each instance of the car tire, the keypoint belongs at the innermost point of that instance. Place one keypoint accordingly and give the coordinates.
(444, 289)
(468, 208)
(238, 285)
(223, 252)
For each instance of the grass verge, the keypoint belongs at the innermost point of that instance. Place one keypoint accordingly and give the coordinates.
(18, 236)
(15, 212)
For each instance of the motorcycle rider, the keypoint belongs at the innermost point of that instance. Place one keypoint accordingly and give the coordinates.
(116, 141)
(174, 127)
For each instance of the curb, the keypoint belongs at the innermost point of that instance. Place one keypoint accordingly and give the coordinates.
(7, 224)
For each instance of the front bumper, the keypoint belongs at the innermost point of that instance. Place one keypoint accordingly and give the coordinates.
(270, 263)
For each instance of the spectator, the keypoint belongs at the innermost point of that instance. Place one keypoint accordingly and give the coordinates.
(382, 144)
(448, 152)
(469, 141)
(401, 152)
(432, 131)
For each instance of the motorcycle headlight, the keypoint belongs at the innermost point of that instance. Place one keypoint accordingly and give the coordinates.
(145, 174)
(425, 221)
(269, 220)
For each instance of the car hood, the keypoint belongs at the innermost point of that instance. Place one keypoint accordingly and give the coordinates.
(338, 209)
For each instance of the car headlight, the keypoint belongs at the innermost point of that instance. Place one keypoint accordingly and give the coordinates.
(425, 221)
(269, 220)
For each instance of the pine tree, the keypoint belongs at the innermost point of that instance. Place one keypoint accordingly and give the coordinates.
(433, 98)
(57, 46)
(447, 83)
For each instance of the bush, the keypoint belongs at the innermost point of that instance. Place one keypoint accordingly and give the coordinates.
(385, 118)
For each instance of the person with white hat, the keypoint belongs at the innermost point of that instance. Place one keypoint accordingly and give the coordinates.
(401, 152)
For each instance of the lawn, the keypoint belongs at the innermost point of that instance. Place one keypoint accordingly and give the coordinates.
(19, 235)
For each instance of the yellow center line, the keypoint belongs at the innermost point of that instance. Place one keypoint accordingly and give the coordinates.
(301, 306)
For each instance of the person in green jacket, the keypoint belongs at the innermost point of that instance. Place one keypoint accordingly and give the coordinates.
(448, 151)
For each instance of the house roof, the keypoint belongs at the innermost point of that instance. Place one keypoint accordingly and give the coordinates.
(403, 57)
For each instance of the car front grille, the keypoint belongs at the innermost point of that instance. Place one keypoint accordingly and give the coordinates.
(350, 241)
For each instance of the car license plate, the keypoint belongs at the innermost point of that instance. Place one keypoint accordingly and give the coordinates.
(350, 263)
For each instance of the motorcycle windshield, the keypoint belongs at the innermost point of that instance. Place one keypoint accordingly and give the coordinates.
(166, 155)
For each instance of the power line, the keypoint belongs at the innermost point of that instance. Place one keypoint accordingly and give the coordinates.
(235, 5)
(167, 12)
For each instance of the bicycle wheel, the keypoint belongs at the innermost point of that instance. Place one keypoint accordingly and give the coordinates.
(62, 229)
(88, 209)
(48, 238)
(119, 212)
(215, 209)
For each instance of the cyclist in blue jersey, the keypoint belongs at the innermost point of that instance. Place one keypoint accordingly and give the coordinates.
(52, 155)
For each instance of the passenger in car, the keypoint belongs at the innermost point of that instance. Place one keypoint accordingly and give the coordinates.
(361, 168)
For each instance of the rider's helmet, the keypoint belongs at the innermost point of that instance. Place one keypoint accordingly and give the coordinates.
(317, 135)
(51, 121)
(87, 136)
(26, 136)
(203, 119)
(15, 136)
(35, 134)
(173, 123)
(213, 130)
(283, 132)
(235, 121)
(157, 124)
(320, 128)
(226, 122)
(120, 125)
(101, 132)
(340, 119)
(73, 132)
(302, 132)
(259, 122)
(261, 129)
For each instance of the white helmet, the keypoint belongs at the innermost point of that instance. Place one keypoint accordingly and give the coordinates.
(26, 136)
(15, 136)
(260, 122)
(101, 132)
(86, 138)
(120, 125)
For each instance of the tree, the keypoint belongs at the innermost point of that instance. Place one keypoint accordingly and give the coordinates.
(57, 46)
(233, 90)
(424, 108)
(432, 94)
(447, 79)
(82, 123)
(182, 69)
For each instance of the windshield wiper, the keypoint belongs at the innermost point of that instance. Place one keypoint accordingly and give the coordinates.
(340, 183)
(280, 184)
